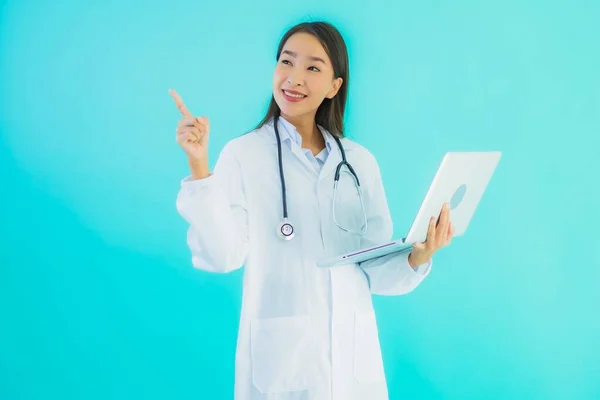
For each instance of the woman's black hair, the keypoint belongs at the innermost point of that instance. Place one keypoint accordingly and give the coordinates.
(330, 114)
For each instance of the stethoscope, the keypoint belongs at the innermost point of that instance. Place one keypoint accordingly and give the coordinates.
(285, 230)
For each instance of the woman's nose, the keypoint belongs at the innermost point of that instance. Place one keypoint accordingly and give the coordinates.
(296, 78)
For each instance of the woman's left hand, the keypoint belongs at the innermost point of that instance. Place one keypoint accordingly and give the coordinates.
(438, 235)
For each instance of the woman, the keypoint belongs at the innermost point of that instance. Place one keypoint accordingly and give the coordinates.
(305, 332)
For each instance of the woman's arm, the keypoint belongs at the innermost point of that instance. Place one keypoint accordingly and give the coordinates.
(391, 274)
(215, 208)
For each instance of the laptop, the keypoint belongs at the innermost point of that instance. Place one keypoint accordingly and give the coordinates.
(460, 180)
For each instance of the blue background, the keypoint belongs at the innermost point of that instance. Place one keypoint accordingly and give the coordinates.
(98, 298)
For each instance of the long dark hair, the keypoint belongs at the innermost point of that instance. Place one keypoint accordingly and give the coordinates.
(330, 114)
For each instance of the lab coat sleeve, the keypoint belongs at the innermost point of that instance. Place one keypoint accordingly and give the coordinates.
(215, 208)
(391, 274)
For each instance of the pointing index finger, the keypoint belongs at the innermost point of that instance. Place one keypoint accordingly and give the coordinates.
(182, 108)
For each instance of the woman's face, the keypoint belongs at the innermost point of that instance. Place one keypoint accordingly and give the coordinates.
(303, 77)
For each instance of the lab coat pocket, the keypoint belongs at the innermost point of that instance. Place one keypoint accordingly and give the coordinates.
(281, 351)
(368, 363)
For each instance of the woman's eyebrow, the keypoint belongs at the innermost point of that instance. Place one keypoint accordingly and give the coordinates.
(294, 54)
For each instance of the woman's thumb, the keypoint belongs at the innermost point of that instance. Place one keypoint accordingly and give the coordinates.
(418, 246)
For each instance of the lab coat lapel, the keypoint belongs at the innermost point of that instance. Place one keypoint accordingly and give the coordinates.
(334, 157)
(331, 163)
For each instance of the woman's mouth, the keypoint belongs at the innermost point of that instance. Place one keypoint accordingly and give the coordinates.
(293, 97)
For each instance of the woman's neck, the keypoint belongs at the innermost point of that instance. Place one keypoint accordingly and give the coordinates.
(308, 130)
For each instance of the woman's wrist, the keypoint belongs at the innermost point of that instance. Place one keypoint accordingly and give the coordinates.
(415, 261)
(199, 170)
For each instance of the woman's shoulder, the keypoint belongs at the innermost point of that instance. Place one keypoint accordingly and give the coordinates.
(358, 150)
(248, 141)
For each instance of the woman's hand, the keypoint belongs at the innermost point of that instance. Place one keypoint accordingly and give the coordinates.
(438, 235)
(192, 135)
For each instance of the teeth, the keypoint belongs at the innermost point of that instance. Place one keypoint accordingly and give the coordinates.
(297, 96)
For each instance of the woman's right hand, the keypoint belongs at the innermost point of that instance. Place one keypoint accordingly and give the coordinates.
(192, 134)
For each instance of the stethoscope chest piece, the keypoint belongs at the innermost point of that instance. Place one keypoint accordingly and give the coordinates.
(285, 230)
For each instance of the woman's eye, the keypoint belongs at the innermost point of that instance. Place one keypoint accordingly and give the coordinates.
(286, 62)
(314, 69)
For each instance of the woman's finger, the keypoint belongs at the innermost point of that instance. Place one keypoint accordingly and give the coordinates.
(193, 133)
(419, 246)
(204, 121)
(179, 103)
(444, 221)
(186, 138)
(431, 232)
(451, 235)
(203, 124)
(191, 129)
(188, 121)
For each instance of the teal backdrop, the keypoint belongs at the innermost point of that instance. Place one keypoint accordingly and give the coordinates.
(98, 297)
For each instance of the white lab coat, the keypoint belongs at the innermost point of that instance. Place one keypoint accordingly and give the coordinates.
(305, 332)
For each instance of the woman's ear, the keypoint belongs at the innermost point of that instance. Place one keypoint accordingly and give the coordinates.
(337, 84)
